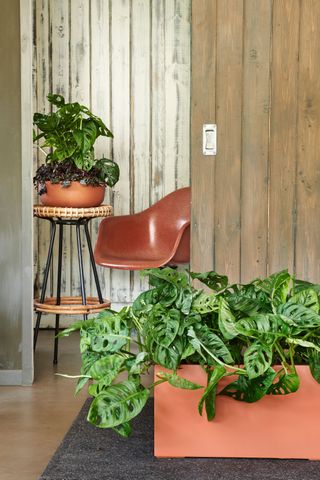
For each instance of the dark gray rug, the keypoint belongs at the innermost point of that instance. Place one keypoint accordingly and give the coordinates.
(89, 453)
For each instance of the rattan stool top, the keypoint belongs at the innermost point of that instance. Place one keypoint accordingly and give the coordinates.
(42, 211)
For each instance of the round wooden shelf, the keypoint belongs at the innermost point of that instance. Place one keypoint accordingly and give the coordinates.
(71, 306)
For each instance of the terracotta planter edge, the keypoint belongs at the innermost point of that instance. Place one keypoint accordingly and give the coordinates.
(275, 427)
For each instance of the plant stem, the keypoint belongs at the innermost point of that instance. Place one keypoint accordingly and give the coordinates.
(291, 353)
(237, 369)
(283, 358)
(158, 382)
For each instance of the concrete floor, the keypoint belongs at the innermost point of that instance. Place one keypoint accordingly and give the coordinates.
(34, 420)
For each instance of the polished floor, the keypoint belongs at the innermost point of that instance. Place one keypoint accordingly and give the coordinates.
(34, 420)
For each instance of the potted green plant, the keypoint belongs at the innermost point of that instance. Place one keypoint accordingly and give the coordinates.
(253, 343)
(71, 175)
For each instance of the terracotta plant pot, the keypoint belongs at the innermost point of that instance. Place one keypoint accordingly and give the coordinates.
(76, 195)
(285, 426)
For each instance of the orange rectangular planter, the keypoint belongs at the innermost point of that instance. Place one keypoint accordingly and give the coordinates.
(275, 427)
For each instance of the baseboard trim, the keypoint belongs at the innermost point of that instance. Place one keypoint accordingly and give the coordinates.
(10, 377)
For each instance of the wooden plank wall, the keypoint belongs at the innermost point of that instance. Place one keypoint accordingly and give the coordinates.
(255, 206)
(129, 60)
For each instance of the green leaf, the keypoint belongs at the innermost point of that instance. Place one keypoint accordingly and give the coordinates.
(308, 298)
(110, 171)
(209, 395)
(205, 303)
(69, 113)
(212, 279)
(246, 390)
(80, 384)
(209, 342)
(303, 285)
(168, 357)
(168, 294)
(226, 320)
(267, 327)
(248, 299)
(184, 300)
(73, 328)
(57, 100)
(106, 369)
(303, 343)
(150, 297)
(124, 430)
(118, 404)
(103, 130)
(108, 332)
(187, 352)
(46, 123)
(178, 382)
(160, 276)
(85, 139)
(301, 316)
(280, 288)
(286, 383)
(314, 364)
(139, 363)
(257, 359)
(108, 342)
(275, 284)
(162, 325)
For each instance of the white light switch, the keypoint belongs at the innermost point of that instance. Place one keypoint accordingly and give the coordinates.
(209, 139)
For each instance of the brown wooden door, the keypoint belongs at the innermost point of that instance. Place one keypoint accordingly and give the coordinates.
(256, 74)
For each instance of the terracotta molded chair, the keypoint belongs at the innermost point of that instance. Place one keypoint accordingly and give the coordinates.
(155, 237)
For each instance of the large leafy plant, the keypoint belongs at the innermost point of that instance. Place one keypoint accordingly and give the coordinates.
(236, 330)
(70, 133)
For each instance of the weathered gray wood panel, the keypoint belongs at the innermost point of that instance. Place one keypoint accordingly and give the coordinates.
(255, 205)
(130, 61)
(307, 251)
(203, 111)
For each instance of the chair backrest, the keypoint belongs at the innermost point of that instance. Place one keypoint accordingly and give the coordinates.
(173, 214)
(156, 236)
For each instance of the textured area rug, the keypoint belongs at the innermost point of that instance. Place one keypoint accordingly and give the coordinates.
(89, 453)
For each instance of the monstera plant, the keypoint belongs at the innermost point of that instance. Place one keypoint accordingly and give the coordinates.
(67, 137)
(235, 330)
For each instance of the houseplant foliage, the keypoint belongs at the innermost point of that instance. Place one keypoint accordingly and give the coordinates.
(70, 133)
(238, 330)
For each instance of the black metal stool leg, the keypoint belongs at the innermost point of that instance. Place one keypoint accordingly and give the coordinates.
(45, 281)
(55, 353)
(93, 264)
(82, 284)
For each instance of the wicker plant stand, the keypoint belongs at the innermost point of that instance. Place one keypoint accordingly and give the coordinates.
(78, 217)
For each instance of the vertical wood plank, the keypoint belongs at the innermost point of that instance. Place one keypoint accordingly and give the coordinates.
(101, 105)
(140, 104)
(175, 56)
(42, 105)
(255, 139)
(140, 118)
(178, 89)
(202, 111)
(59, 33)
(285, 44)
(80, 92)
(158, 99)
(36, 263)
(229, 88)
(120, 94)
(308, 181)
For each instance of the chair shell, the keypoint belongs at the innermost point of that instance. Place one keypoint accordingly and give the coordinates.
(157, 236)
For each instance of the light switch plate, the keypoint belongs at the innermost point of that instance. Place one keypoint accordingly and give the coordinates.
(209, 139)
